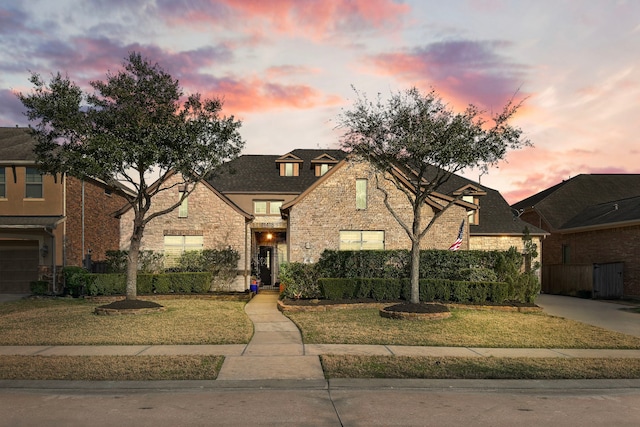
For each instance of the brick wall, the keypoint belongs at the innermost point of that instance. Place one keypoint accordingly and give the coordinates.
(101, 228)
(316, 221)
(209, 216)
(606, 246)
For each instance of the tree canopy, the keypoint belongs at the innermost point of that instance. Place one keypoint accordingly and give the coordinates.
(136, 128)
(417, 142)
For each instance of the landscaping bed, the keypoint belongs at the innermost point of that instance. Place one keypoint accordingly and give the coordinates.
(297, 305)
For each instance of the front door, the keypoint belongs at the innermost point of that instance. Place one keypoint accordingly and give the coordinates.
(265, 259)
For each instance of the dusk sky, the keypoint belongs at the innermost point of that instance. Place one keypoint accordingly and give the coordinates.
(286, 67)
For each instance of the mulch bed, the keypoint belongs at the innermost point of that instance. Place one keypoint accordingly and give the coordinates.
(129, 306)
(324, 304)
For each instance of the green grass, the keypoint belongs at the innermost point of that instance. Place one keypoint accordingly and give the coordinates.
(465, 328)
(73, 322)
(110, 368)
(478, 367)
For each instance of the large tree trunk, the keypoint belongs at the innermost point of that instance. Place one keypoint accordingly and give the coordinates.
(415, 271)
(132, 259)
(415, 253)
(132, 269)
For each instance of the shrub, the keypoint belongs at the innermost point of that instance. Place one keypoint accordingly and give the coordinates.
(300, 280)
(39, 287)
(148, 261)
(336, 289)
(75, 280)
(106, 284)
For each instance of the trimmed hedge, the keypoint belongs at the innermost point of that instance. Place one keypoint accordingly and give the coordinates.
(115, 284)
(430, 290)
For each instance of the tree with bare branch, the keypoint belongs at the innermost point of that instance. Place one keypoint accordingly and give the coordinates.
(416, 142)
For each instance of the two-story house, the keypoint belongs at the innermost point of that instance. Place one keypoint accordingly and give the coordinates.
(48, 221)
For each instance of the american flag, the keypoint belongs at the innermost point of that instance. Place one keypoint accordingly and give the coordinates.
(456, 245)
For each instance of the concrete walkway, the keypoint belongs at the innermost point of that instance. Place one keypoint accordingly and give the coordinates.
(275, 351)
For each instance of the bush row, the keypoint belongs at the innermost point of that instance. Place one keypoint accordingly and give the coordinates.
(434, 264)
(381, 289)
(115, 284)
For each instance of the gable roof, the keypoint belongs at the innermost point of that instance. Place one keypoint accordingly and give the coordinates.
(496, 216)
(559, 204)
(252, 173)
(16, 146)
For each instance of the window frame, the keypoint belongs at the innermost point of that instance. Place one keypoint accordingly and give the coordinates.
(28, 183)
(362, 244)
(3, 182)
(183, 208)
(172, 257)
(362, 194)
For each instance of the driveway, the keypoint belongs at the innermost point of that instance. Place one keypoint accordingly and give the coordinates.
(603, 313)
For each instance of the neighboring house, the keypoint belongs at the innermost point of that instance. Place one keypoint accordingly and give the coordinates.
(47, 221)
(594, 246)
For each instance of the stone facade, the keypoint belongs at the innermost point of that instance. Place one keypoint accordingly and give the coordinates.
(210, 216)
(315, 221)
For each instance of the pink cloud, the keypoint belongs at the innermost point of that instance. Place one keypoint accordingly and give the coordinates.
(312, 19)
(462, 71)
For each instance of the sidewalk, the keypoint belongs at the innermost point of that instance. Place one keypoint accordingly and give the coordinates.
(276, 350)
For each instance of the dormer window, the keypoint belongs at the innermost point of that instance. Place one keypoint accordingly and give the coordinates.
(322, 164)
(289, 169)
(471, 194)
(289, 165)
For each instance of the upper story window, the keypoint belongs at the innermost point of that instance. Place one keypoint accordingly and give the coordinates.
(267, 207)
(33, 180)
(3, 183)
(361, 194)
(183, 209)
(289, 165)
(274, 207)
(323, 168)
(289, 169)
(472, 216)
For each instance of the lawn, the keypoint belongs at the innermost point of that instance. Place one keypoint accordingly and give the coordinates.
(195, 321)
(465, 328)
(72, 322)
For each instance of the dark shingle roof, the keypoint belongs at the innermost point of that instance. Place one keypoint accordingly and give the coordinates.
(260, 173)
(496, 216)
(613, 212)
(564, 201)
(16, 144)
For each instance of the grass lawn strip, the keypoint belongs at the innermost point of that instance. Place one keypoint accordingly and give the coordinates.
(349, 366)
(73, 322)
(465, 328)
(110, 368)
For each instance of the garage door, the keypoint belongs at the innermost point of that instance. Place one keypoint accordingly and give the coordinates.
(18, 265)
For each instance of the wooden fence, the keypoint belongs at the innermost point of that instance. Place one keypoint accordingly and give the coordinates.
(567, 279)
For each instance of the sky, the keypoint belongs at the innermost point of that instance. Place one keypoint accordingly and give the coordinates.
(288, 68)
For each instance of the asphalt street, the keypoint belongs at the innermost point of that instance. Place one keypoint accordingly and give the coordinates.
(319, 403)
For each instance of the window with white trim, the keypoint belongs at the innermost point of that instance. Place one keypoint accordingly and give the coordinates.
(288, 169)
(361, 194)
(174, 246)
(183, 209)
(360, 240)
(274, 207)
